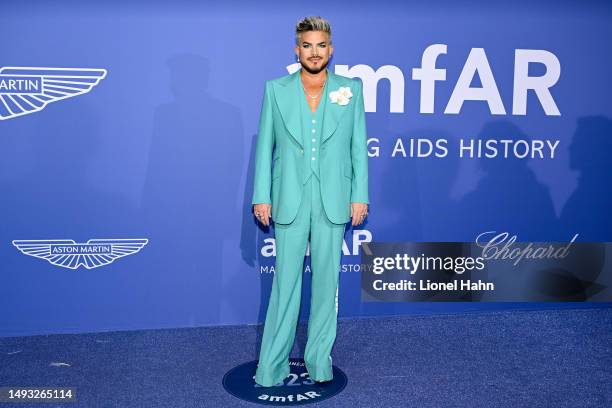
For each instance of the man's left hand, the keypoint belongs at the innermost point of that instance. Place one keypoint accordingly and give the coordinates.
(359, 211)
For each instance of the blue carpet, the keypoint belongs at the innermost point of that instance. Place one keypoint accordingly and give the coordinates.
(546, 358)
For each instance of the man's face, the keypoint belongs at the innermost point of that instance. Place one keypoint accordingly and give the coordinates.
(314, 51)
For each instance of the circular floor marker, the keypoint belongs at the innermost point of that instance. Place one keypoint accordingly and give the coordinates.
(296, 389)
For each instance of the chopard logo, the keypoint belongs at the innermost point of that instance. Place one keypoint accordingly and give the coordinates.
(70, 254)
(26, 90)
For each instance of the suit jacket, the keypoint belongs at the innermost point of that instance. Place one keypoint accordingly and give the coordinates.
(343, 159)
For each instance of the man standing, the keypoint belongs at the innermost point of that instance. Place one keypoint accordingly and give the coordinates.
(316, 181)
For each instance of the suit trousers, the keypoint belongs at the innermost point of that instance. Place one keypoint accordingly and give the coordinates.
(284, 305)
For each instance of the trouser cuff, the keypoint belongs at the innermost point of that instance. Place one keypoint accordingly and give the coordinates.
(320, 373)
(270, 376)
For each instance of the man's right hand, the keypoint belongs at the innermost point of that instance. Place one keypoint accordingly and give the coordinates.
(263, 213)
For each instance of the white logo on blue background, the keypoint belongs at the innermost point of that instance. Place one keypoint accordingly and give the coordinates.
(26, 90)
(70, 254)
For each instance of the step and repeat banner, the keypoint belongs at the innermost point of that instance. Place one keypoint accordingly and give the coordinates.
(127, 143)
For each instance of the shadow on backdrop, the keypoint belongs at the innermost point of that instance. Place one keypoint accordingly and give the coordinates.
(193, 176)
(509, 197)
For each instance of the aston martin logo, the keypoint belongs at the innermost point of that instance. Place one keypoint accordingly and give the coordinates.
(72, 255)
(26, 90)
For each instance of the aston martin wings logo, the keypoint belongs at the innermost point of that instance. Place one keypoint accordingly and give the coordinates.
(72, 255)
(26, 90)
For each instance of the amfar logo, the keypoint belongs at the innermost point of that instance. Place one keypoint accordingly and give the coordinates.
(476, 65)
(26, 90)
(69, 254)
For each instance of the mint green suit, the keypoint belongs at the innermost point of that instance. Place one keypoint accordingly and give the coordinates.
(319, 167)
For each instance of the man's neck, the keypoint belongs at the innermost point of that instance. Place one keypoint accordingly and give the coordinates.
(313, 79)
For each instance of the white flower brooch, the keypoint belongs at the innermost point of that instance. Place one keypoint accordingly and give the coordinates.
(341, 96)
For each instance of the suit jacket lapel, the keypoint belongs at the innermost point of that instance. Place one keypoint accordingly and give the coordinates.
(287, 94)
(333, 112)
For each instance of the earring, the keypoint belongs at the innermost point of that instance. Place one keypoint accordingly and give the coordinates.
(298, 58)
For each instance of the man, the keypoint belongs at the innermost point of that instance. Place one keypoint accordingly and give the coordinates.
(318, 182)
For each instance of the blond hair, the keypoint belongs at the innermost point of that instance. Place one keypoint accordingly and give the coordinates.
(312, 23)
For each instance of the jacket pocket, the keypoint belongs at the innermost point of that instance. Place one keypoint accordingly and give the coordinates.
(348, 170)
(276, 171)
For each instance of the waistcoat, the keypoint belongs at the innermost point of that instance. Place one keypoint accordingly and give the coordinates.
(311, 131)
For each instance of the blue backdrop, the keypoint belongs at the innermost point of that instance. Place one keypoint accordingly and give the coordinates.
(162, 148)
